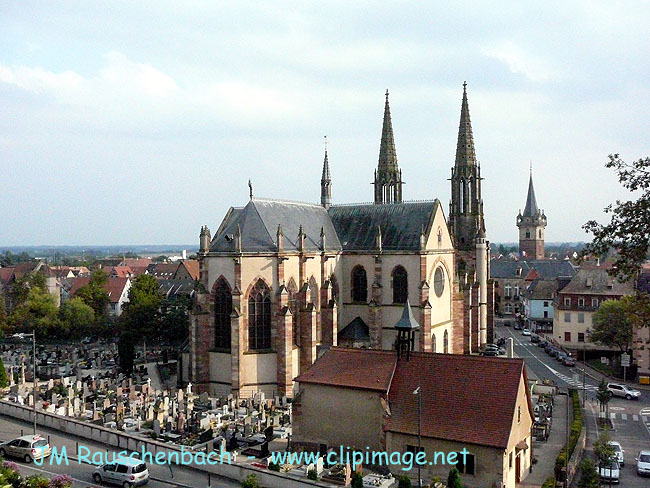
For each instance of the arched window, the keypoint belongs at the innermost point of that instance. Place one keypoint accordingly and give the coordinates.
(222, 311)
(292, 291)
(259, 317)
(335, 289)
(445, 343)
(359, 285)
(433, 343)
(400, 285)
(527, 234)
(313, 292)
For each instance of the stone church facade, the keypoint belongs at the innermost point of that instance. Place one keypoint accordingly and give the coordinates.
(281, 282)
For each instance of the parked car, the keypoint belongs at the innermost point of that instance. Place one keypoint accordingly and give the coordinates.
(27, 448)
(561, 355)
(525, 332)
(569, 361)
(126, 472)
(623, 391)
(535, 339)
(618, 452)
(542, 344)
(489, 352)
(609, 471)
(643, 463)
(518, 326)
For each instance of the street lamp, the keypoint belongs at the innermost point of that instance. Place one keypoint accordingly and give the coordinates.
(23, 335)
(418, 392)
(584, 362)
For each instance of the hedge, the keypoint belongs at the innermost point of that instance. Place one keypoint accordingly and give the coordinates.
(574, 434)
(549, 483)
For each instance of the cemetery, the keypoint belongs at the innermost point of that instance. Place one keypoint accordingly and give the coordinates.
(82, 382)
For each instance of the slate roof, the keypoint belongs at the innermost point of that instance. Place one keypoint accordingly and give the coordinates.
(531, 209)
(401, 224)
(259, 221)
(541, 289)
(356, 330)
(173, 288)
(596, 281)
(547, 269)
(459, 400)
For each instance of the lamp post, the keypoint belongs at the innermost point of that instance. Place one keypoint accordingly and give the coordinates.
(22, 335)
(584, 363)
(418, 392)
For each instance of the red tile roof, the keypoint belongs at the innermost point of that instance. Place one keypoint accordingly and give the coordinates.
(467, 399)
(352, 368)
(114, 287)
(122, 271)
(6, 274)
(136, 262)
(192, 267)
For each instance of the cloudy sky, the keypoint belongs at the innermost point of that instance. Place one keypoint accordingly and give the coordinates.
(127, 122)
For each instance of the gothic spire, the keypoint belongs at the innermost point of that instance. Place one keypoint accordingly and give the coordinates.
(531, 208)
(465, 153)
(387, 153)
(326, 182)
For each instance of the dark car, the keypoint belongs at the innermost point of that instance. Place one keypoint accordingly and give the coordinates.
(534, 339)
(489, 352)
(518, 326)
(542, 344)
(568, 361)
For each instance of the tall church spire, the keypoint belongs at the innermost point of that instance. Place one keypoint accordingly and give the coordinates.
(326, 182)
(466, 208)
(531, 209)
(465, 153)
(532, 226)
(388, 177)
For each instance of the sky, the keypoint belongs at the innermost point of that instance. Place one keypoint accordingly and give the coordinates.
(127, 122)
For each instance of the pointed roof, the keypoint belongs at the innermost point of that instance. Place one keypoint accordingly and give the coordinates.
(387, 153)
(531, 202)
(465, 153)
(407, 321)
(326, 169)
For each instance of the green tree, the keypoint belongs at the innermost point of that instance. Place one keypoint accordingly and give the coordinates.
(589, 477)
(76, 316)
(38, 312)
(3, 315)
(453, 480)
(602, 448)
(603, 395)
(142, 312)
(250, 482)
(175, 319)
(628, 231)
(612, 326)
(126, 351)
(94, 295)
(357, 480)
(4, 380)
(404, 482)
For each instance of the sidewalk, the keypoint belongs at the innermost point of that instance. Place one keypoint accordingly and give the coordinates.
(546, 452)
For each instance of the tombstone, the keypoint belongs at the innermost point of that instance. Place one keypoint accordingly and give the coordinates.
(78, 385)
(248, 430)
(132, 395)
(150, 412)
(50, 384)
(213, 403)
(67, 371)
(22, 374)
(71, 394)
(119, 391)
(11, 376)
(30, 400)
(277, 401)
(203, 397)
(107, 403)
(189, 388)
(119, 411)
(54, 399)
(180, 424)
(76, 406)
(180, 396)
(156, 426)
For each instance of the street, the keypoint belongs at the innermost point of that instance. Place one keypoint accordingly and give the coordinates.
(160, 476)
(631, 418)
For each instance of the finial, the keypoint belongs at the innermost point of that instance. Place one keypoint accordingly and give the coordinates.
(325, 142)
(464, 87)
(531, 167)
(250, 189)
(386, 94)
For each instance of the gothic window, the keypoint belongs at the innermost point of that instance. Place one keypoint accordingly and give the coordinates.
(461, 199)
(292, 291)
(313, 292)
(259, 317)
(433, 343)
(400, 285)
(445, 343)
(439, 282)
(540, 234)
(439, 238)
(222, 311)
(527, 234)
(335, 288)
(359, 284)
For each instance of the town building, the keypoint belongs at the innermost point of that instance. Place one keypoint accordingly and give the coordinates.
(367, 400)
(280, 281)
(537, 300)
(117, 289)
(576, 303)
(532, 225)
(641, 335)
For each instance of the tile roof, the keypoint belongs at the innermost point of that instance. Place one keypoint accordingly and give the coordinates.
(114, 287)
(6, 274)
(401, 224)
(122, 271)
(173, 288)
(469, 399)
(259, 221)
(192, 267)
(163, 270)
(596, 281)
(136, 262)
(541, 289)
(356, 330)
(545, 268)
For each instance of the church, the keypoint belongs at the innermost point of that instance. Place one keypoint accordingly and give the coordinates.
(281, 282)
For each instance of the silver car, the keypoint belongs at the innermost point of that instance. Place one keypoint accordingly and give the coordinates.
(643, 463)
(27, 448)
(126, 472)
(623, 391)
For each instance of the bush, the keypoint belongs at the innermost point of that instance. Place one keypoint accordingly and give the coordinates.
(574, 434)
(61, 481)
(250, 482)
(404, 482)
(312, 475)
(274, 466)
(549, 483)
(453, 480)
(35, 481)
(357, 480)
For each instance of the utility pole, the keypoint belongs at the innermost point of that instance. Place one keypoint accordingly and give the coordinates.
(418, 392)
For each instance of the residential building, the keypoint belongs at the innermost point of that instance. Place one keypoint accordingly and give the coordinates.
(576, 303)
(641, 337)
(537, 300)
(365, 400)
(117, 289)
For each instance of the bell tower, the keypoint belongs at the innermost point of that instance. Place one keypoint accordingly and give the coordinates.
(388, 177)
(532, 226)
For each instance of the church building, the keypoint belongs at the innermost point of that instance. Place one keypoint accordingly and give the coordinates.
(282, 282)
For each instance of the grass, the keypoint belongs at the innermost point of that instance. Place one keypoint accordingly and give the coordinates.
(603, 368)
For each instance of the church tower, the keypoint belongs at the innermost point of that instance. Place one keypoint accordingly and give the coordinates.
(532, 225)
(326, 183)
(466, 207)
(388, 176)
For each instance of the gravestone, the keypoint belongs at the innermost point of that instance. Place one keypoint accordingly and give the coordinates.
(156, 426)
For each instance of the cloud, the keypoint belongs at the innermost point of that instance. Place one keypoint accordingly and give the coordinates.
(519, 61)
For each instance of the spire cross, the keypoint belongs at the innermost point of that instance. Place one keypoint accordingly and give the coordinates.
(250, 189)
(325, 142)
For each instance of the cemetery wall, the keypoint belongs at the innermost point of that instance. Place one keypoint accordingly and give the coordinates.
(121, 440)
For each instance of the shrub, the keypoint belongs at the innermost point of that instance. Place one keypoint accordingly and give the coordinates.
(61, 481)
(549, 483)
(453, 480)
(312, 475)
(404, 482)
(274, 466)
(357, 480)
(250, 482)
(35, 481)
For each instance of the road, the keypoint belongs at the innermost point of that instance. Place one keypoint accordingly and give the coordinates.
(631, 418)
(82, 473)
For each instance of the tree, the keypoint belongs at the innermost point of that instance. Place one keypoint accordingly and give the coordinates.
(3, 315)
(453, 480)
(175, 319)
(603, 449)
(126, 351)
(628, 231)
(404, 482)
(76, 316)
(357, 480)
(612, 326)
(589, 477)
(94, 295)
(142, 312)
(250, 481)
(38, 312)
(4, 380)
(603, 395)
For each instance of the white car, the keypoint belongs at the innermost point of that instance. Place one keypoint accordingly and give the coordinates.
(609, 471)
(618, 452)
(643, 463)
(623, 391)
(127, 472)
(27, 448)
(525, 332)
